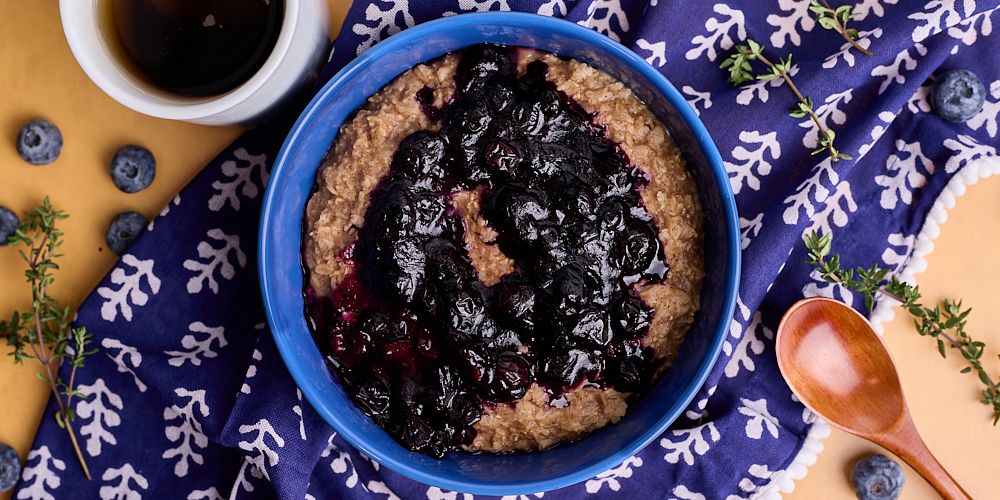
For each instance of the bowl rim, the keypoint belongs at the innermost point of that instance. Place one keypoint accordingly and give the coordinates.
(704, 142)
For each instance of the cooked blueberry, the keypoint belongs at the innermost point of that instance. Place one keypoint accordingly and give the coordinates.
(133, 169)
(39, 142)
(481, 63)
(515, 304)
(630, 369)
(631, 316)
(529, 118)
(501, 156)
(572, 286)
(569, 367)
(373, 397)
(958, 95)
(513, 378)
(613, 214)
(125, 228)
(9, 224)
(384, 327)
(477, 364)
(467, 316)
(472, 119)
(10, 467)
(636, 249)
(593, 326)
(420, 157)
(498, 96)
(877, 477)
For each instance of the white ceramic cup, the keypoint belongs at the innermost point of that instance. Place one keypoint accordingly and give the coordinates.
(293, 62)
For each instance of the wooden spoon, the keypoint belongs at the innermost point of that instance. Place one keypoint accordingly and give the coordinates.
(839, 368)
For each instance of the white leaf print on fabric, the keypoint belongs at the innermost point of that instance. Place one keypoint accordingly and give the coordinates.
(342, 463)
(126, 476)
(748, 484)
(753, 164)
(893, 73)
(759, 88)
(897, 260)
(877, 131)
(187, 432)
(529, 496)
(920, 102)
(702, 98)
(835, 210)
(819, 287)
(297, 409)
(479, 6)
(435, 493)
(691, 442)
(379, 488)
(828, 112)
(657, 52)
(166, 210)
(600, 13)
(98, 404)
(217, 261)
(847, 51)
(988, 115)
(904, 175)
(966, 149)
(39, 479)
(698, 410)
(966, 30)
(683, 493)
(126, 356)
(788, 25)
(264, 454)
(718, 28)
(381, 23)
(867, 7)
(937, 15)
(129, 293)
(194, 349)
(553, 8)
(611, 476)
(251, 372)
(751, 343)
(239, 180)
(209, 494)
(247, 471)
(760, 419)
(749, 229)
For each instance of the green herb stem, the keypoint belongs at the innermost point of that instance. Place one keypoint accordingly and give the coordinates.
(841, 28)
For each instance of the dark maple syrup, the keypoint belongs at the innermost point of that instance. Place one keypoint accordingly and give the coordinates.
(195, 48)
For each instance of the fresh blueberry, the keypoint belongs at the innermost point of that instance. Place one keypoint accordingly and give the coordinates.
(8, 225)
(10, 467)
(877, 477)
(125, 227)
(958, 95)
(133, 169)
(39, 142)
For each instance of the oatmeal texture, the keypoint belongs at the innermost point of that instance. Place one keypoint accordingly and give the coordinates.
(362, 155)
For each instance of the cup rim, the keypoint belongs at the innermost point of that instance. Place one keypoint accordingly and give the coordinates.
(81, 26)
(299, 372)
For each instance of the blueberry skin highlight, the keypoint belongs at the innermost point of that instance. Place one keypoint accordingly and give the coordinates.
(958, 95)
(133, 169)
(8, 225)
(877, 477)
(124, 229)
(39, 142)
(10, 468)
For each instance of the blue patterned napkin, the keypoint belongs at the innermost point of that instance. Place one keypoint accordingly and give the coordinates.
(189, 398)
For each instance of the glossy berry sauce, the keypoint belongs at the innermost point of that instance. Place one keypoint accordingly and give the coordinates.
(419, 343)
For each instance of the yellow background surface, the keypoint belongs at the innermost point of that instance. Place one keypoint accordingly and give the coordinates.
(40, 78)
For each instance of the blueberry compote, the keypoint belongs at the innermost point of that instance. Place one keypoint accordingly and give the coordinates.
(420, 344)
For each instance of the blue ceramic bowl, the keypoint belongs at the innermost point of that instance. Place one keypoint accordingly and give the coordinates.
(292, 181)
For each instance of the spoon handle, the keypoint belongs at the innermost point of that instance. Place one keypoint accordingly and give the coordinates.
(908, 446)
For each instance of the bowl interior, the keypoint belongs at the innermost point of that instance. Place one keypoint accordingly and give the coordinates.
(292, 182)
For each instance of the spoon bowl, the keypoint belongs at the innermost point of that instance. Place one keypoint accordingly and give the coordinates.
(839, 368)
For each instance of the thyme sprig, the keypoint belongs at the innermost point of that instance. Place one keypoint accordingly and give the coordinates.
(836, 20)
(740, 69)
(945, 322)
(44, 333)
